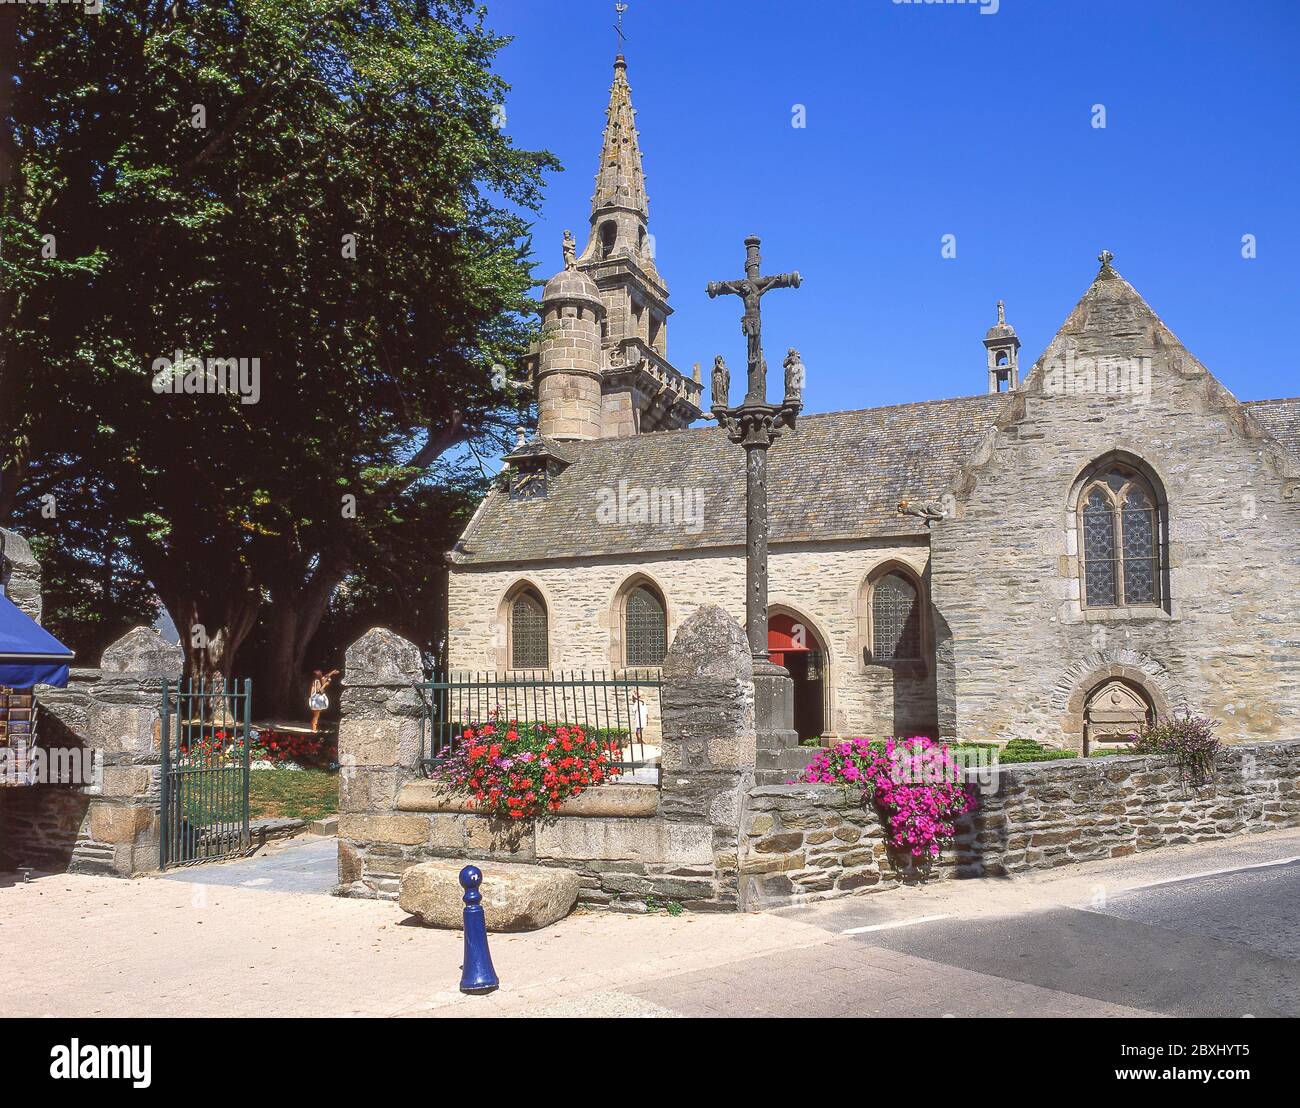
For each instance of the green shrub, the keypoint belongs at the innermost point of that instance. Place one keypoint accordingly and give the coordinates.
(1031, 750)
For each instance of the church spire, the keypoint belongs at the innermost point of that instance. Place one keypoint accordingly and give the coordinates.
(602, 366)
(620, 181)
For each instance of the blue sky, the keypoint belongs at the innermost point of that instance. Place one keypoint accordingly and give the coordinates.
(930, 120)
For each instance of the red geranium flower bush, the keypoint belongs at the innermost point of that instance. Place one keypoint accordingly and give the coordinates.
(521, 770)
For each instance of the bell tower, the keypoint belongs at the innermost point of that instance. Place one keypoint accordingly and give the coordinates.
(639, 390)
(1003, 349)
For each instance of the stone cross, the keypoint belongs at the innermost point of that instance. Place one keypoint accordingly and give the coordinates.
(755, 425)
(750, 290)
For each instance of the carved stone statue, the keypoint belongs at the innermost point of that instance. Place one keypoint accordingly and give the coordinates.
(929, 510)
(794, 373)
(570, 250)
(721, 382)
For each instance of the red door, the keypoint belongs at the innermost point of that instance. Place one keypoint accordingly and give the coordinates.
(794, 645)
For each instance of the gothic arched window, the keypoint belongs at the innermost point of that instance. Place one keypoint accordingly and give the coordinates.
(528, 648)
(645, 628)
(1121, 553)
(895, 619)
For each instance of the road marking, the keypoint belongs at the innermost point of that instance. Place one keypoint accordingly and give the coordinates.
(890, 926)
(1210, 873)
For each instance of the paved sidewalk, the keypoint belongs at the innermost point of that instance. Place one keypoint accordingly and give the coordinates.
(195, 944)
(303, 865)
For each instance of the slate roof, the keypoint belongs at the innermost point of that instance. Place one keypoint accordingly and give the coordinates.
(1281, 419)
(840, 475)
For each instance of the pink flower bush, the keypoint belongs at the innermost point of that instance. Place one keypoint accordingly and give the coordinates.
(916, 784)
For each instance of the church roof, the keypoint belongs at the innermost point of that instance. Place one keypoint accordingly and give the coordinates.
(1281, 419)
(839, 475)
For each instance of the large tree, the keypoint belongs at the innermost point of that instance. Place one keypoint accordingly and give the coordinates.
(321, 185)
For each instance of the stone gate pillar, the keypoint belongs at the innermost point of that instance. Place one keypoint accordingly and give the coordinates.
(20, 574)
(379, 751)
(708, 736)
(124, 723)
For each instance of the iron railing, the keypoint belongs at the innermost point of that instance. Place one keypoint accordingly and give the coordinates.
(620, 709)
(206, 738)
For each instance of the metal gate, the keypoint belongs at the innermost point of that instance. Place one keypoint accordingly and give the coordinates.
(205, 756)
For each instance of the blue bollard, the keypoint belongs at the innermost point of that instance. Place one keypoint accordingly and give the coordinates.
(477, 974)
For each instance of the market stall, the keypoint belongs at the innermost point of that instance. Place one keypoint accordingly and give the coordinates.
(29, 656)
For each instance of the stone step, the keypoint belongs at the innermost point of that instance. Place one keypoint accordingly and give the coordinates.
(776, 767)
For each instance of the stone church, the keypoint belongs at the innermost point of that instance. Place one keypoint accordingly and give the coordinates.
(1108, 537)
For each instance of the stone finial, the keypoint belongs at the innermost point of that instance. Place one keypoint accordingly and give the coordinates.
(695, 374)
(381, 657)
(142, 652)
(1106, 257)
(570, 248)
(710, 645)
(521, 438)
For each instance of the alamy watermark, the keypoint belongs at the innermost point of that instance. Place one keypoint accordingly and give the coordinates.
(190, 375)
(88, 7)
(659, 506)
(986, 7)
(1104, 376)
(39, 765)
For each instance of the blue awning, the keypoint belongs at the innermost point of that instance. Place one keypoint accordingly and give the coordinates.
(29, 654)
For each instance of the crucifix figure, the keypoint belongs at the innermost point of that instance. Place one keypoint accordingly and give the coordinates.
(750, 290)
(755, 425)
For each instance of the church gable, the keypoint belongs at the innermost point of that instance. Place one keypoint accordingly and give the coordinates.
(1111, 359)
(1127, 509)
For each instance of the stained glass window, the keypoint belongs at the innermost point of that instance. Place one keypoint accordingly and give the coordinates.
(1120, 540)
(528, 632)
(1141, 567)
(646, 626)
(1099, 548)
(895, 620)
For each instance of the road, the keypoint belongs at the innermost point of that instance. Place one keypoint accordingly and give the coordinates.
(1200, 930)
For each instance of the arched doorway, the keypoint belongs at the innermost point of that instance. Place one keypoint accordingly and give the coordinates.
(1113, 712)
(793, 644)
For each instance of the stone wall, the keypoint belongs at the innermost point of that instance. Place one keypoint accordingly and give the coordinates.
(802, 843)
(41, 825)
(110, 825)
(627, 842)
(819, 585)
(1017, 652)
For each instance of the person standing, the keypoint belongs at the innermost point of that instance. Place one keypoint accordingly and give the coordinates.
(318, 701)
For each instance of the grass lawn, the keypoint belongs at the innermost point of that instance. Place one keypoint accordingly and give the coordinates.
(292, 794)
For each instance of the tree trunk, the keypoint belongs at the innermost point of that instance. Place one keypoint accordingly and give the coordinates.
(11, 461)
(292, 622)
(211, 638)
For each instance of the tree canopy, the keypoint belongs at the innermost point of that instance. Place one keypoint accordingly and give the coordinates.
(316, 190)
